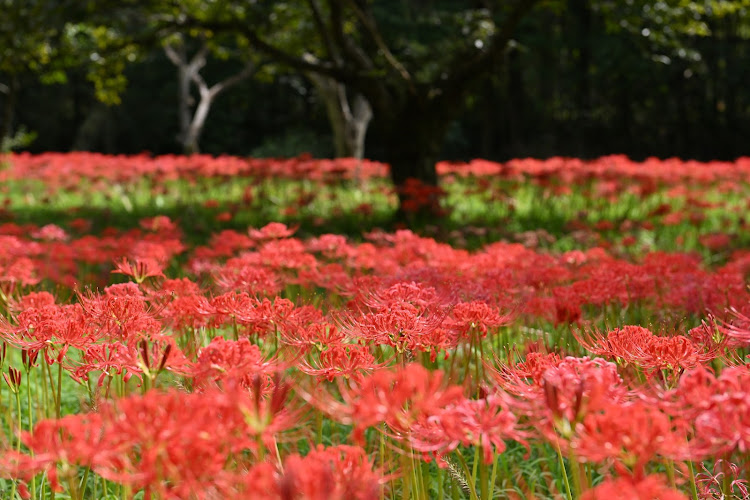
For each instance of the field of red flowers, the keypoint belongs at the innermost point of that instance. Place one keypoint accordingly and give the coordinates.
(579, 330)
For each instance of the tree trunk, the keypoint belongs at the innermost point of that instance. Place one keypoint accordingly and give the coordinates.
(349, 117)
(413, 143)
(6, 127)
(184, 102)
(195, 127)
(356, 127)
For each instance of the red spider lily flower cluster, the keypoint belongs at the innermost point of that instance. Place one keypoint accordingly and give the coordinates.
(195, 372)
(67, 170)
(638, 345)
(624, 488)
(183, 450)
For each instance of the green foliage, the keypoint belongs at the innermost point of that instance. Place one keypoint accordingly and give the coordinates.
(585, 77)
(20, 140)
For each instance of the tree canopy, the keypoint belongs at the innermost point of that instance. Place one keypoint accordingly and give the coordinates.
(442, 77)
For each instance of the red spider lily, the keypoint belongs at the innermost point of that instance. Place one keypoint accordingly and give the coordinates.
(651, 487)
(405, 316)
(638, 345)
(631, 434)
(75, 439)
(236, 275)
(179, 287)
(420, 197)
(340, 360)
(335, 473)
(739, 327)
(332, 246)
(715, 241)
(533, 367)
(224, 244)
(332, 277)
(699, 390)
(13, 379)
(33, 300)
(718, 407)
(273, 230)
(186, 450)
(402, 326)
(312, 332)
(561, 392)
(108, 358)
(50, 232)
(19, 271)
(476, 315)
(484, 422)
(28, 358)
(121, 314)
(268, 316)
(150, 356)
(231, 307)
(140, 269)
(160, 224)
(186, 312)
(258, 317)
(237, 362)
(399, 398)
(283, 255)
(711, 482)
(156, 248)
(51, 330)
(419, 296)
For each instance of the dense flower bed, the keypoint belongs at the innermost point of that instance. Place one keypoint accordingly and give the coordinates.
(263, 364)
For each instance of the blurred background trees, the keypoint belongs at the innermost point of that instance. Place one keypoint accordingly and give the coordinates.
(580, 77)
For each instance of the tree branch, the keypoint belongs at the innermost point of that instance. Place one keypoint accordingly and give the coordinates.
(374, 33)
(323, 31)
(470, 66)
(177, 59)
(272, 51)
(337, 28)
(233, 80)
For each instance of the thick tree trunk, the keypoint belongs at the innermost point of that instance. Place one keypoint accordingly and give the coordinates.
(414, 141)
(6, 127)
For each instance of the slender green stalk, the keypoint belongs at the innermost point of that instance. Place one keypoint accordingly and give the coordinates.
(575, 471)
(693, 486)
(319, 427)
(84, 481)
(18, 442)
(475, 465)
(669, 465)
(405, 479)
(31, 423)
(440, 481)
(484, 483)
(470, 482)
(493, 474)
(18, 413)
(58, 407)
(568, 493)
(382, 461)
(51, 387)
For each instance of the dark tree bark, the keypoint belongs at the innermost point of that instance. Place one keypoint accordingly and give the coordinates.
(6, 127)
